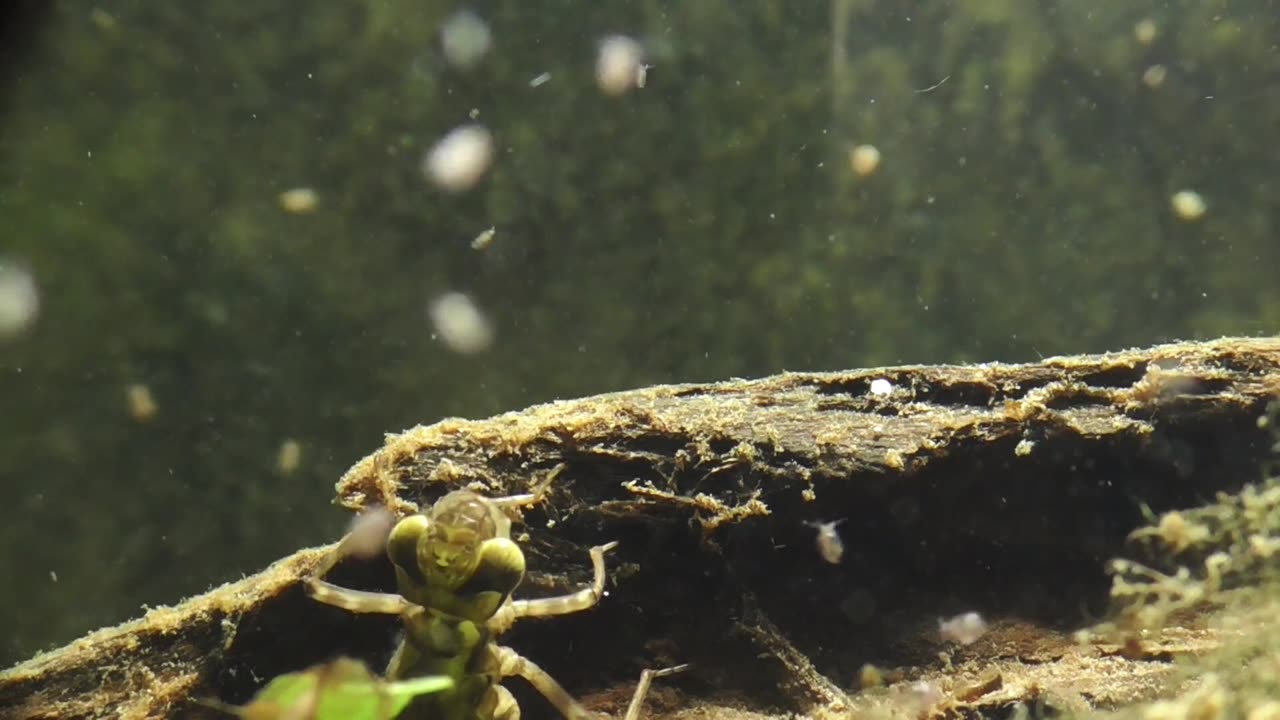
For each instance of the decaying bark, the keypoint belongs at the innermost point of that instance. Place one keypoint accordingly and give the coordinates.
(997, 487)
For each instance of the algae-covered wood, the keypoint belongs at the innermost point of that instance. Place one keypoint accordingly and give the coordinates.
(1000, 487)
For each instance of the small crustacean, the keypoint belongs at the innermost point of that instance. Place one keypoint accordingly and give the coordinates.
(456, 568)
(830, 546)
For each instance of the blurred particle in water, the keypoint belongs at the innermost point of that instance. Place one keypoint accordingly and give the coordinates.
(465, 39)
(830, 547)
(1188, 205)
(368, 534)
(542, 79)
(1154, 76)
(102, 19)
(299, 201)
(289, 457)
(864, 159)
(460, 324)
(459, 159)
(964, 629)
(19, 299)
(1145, 31)
(142, 404)
(619, 64)
(484, 239)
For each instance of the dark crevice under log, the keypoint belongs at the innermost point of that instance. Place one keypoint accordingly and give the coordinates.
(998, 488)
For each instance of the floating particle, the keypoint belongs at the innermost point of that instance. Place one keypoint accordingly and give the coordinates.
(864, 159)
(368, 534)
(1154, 76)
(1188, 205)
(1145, 31)
(618, 64)
(460, 158)
(289, 457)
(465, 39)
(964, 629)
(542, 79)
(102, 19)
(881, 386)
(19, 299)
(830, 546)
(460, 324)
(299, 201)
(484, 239)
(53, 575)
(142, 405)
(1024, 447)
(642, 75)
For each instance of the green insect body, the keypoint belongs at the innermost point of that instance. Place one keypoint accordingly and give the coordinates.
(456, 569)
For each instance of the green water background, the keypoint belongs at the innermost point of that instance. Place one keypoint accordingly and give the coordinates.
(704, 227)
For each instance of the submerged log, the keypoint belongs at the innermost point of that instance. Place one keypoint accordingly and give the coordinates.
(1002, 487)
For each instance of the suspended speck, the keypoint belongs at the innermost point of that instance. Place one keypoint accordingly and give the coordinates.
(964, 629)
(881, 386)
(1188, 205)
(19, 299)
(1145, 31)
(299, 201)
(460, 324)
(864, 159)
(542, 79)
(618, 64)
(289, 457)
(642, 75)
(830, 546)
(465, 39)
(484, 239)
(1154, 76)
(368, 534)
(141, 403)
(460, 158)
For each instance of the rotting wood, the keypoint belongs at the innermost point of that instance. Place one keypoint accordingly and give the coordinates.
(995, 466)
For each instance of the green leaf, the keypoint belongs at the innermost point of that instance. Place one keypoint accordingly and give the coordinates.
(341, 690)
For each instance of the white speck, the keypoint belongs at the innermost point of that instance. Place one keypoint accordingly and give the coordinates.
(19, 299)
(1188, 205)
(299, 201)
(141, 403)
(864, 159)
(618, 64)
(642, 75)
(368, 534)
(964, 629)
(542, 79)
(1145, 31)
(289, 456)
(1024, 447)
(460, 324)
(830, 547)
(53, 576)
(460, 158)
(465, 39)
(881, 386)
(484, 239)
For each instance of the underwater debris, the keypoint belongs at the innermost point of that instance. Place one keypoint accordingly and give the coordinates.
(964, 629)
(830, 546)
(864, 159)
(459, 159)
(465, 39)
(1188, 205)
(140, 402)
(299, 201)
(460, 324)
(620, 65)
(19, 299)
